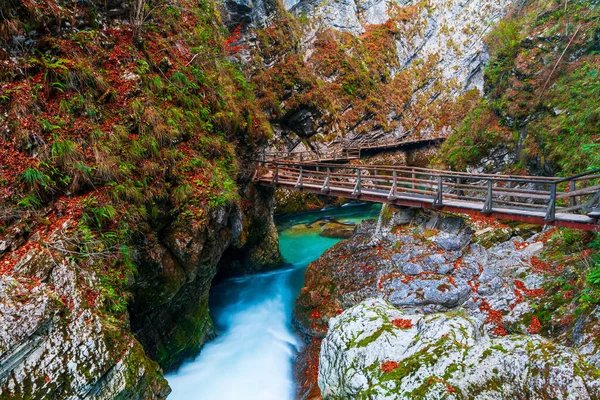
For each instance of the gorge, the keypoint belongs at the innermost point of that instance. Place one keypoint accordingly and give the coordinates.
(141, 256)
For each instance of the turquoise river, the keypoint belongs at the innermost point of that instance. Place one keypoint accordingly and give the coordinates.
(252, 356)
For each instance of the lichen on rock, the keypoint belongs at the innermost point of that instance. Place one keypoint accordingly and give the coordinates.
(449, 355)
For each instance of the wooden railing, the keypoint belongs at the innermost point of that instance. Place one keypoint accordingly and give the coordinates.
(572, 201)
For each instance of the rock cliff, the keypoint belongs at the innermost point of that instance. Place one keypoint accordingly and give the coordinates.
(363, 72)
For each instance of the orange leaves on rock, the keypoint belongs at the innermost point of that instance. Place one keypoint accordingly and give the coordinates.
(402, 323)
(389, 366)
(542, 267)
(481, 222)
(535, 325)
(493, 317)
(474, 286)
(405, 279)
(521, 246)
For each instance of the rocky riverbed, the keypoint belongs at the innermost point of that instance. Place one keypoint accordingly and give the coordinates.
(485, 279)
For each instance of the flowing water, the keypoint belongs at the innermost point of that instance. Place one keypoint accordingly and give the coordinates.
(252, 356)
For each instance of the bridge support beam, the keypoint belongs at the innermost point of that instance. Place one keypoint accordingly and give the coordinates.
(276, 174)
(299, 181)
(551, 213)
(325, 187)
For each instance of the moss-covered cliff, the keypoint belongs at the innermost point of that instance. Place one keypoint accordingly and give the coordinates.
(126, 130)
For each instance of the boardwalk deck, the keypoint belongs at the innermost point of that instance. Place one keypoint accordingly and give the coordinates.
(571, 202)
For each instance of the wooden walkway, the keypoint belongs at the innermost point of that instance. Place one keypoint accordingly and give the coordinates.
(349, 153)
(571, 202)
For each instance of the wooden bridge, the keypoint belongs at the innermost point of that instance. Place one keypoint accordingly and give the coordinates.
(354, 152)
(571, 202)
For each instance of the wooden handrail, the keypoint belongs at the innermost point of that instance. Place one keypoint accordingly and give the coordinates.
(542, 199)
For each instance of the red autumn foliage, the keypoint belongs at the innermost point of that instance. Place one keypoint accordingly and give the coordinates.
(402, 323)
(535, 325)
(405, 279)
(521, 246)
(540, 266)
(231, 43)
(533, 293)
(452, 281)
(389, 366)
(474, 286)
(458, 264)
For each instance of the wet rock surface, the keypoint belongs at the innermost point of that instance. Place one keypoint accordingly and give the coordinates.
(376, 351)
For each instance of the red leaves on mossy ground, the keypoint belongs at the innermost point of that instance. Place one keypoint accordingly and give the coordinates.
(389, 366)
(402, 323)
(535, 325)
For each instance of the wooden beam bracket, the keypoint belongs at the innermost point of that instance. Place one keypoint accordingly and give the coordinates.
(392, 194)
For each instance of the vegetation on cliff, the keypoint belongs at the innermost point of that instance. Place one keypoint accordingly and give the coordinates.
(352, 84)
(119, 123)
(116, 119)
(541, 93)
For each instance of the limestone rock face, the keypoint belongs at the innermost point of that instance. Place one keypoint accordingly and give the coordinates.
(55, 343)
(428, 264)
(376, 351)
(433, 268)
(451, 31)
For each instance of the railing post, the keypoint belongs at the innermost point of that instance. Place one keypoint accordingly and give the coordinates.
(414, 176)
(551, 213)
(459, 192)
(325, 187)
(299, 181)
(572, 189)
(392, 194)
(438, 201)
(276, 174)
(356, 191)
(488, 205)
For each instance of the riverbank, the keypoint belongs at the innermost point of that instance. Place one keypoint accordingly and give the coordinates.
(501, 279)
